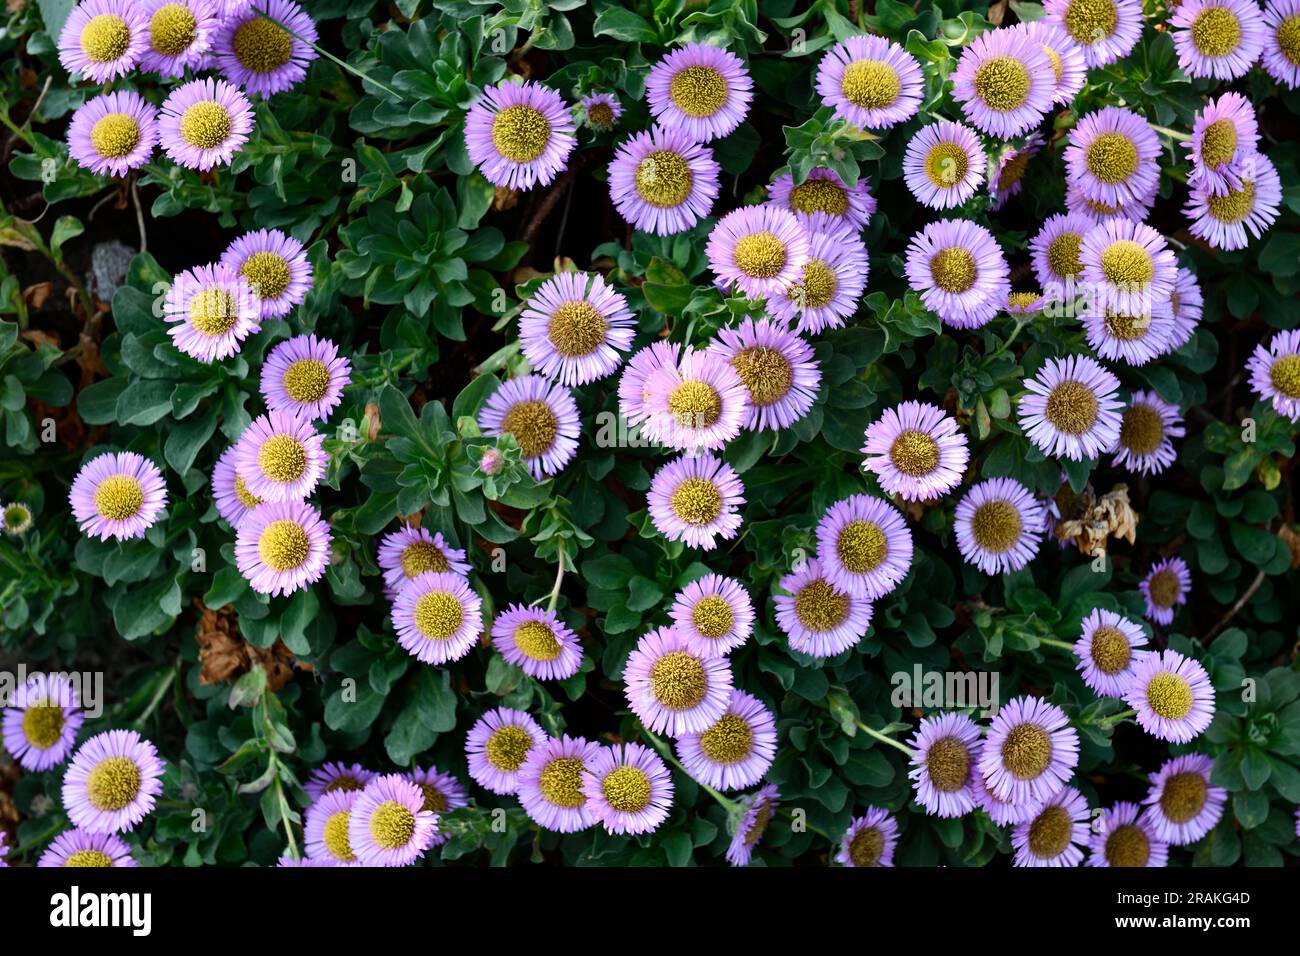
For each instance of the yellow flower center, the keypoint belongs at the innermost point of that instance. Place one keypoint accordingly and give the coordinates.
(435, 800)
(1127, 264)
(438, 615)
(1090, 21)
(1014, 170)
(678, 680)
(105, 38)
(766, 372)
(1112, 157)
(819, 607)
(1164, 588)
(306, 380)
(1127, 328)
(1219, 143)
(1284, 373)
(1049, 834)
(664, 179)
(206, 124)
(115, 135)
(507, 748)
(1003, 83)
(914, 453)
(576, 329)
(537, 641)
(760, 255)
(1234, 207)
(816, 287)
(712, 616)
(267, 272)
(282, 458)
(996, 526)
(1058, 67)
(627, 789)
(520, 133)
(213, 312)
(1288, 38)
(1026, 751)
(284, 545)
(953, 269)
(533, 425)
(1110, 650)
(866, 847)
(1170, 695)
(697, 502)
(1184, 796)
(560, 783)
(819, 195)
(947, 763)
(600, 115)
(43, 725)
(695, 404)
(946, 165)
(1216, 31)
(871, 84)
(1072, 408)
(246, 497)
(728, 741)
(1141, 429)
(1063, 255)
(421, 556)
(1023, 300)
(113, 784)
(88, 858)
(392, 825)
(119, 497)
(1127, 845)
(335, 837)
(344, 784)
(698, 91)
(172, 29)
(861, 546)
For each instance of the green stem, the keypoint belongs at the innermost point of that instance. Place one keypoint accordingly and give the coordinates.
(1171, 133)
(729, 805)
(1052, 642)
(884, 738)
(284, 808)
(559, 579)
(331, 57)
(154, 701)
(1113, 719)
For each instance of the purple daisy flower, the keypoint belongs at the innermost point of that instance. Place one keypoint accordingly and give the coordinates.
(1281, 51)
(537, 641)
(696, 499)
(282, 547)
(662, 181)
(1172, 696)
(916, 451)
(958, 268)
(325, 826)
(305, 376)
(519, 135)
(1007, 169)
(1182, 805)
(1225, 136)
(1121, 839)
(1024, 303)
(40, 725)
(337, 777)
(1031, 751)
(497, 746)
(1229, 221)
(831, 282)
(551, 783)
(1106, 30)
(633, 390)
(230, 491)
(1187, 305)
(944, 164)
(825, 193)
(276, 268)
(266, 49)
(865, 546)
(1275, 373)
(1135, 337)
(673, 689)
(628, 788)
(1076, 202)
(1067, 58)
(541, 416)
(438, 617)
(1108, 650)
(204, 123)
(1056, 253)
(700, 89)
(575, 328)
(777, 369)
(1128, 266)
(1145, 430)
(699, 403)
(1221, 39)
(819, 619)
(1113, 156)
(1164, 588)
(179, 34)
(82, 848)
(112, 782)
(1004, 82)
(870, 81)
(760, 250)
(756, 815)
(103, 39)
(945, 751)
(388, 825)
(118, 495)
(714, 614)
(870, 840)
(736, 750)
(600, 111)
(114, 133)
(281, 456)
(210, 311)
(1001, 812)
(1056, 834)
(442, 792)
(1072, 408)
(305, 862)
(408, 552)
(998, 525)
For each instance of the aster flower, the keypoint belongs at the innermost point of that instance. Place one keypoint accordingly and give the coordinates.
(40, 725)
(1068, 60)
(325, 826)
(1172, 696)
(1056, 251)
(831, 282)
(944, 164)
(287, 862)
(662, 181)
(205, 123)
(1281, 49)
(1004, 83)
(1007, 169)
(998, 525)
(112, 782)
(1164, 588)
(1225, 136)
(15, 518)
(78, 848)
(541, 416)
(1137, 209)
(438, 617)
(700, 89)
(1123, 840)
(281, 456)
(337, 777)
(179, 34)
(1128, 266)
(1229, 221)
(305, 377)
(1030, 752)
(1186, 305)
(736, 750)
(537, 641)
(696, 499)
(118, 495)
(600, 111)
(1145, 430)
(945, 751)
(756, 815)
(497, 746)
(916, 451)
(870, 840)
(1106, 30)
(628, 788)
(210, 311)
(777, 369)
(760, 250)
(442, 792)
(698, 403)
(276, 268)
(519, 135)
(870, 81)
(1135, 337)
(714, 614)
(673, 689)
(1275, 373)
(229, 490)
(958, 268)
(1072, 409)
(1108, 650)
(1217, 38)
(820, 620)
(1056, 834)
(1113, 156)
(633, 384)
(103, 39)
(551, 783)
(113, 133)
(865, 546)
(266, 49)
(575, 328)
(823, 192)
(408, 552)
(1024, 303)
(282, 547)
(388, 825)
(1182, 805)
(1001, 812)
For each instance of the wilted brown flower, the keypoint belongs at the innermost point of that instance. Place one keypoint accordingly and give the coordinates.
(1089, 522)
(226, 656)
